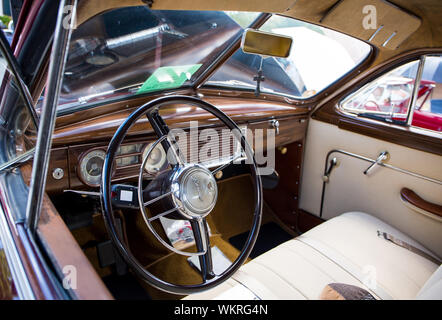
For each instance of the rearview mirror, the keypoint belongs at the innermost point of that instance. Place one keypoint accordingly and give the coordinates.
(266, 43)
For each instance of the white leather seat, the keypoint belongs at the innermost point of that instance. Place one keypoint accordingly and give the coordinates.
(432, 290)
(345, 249)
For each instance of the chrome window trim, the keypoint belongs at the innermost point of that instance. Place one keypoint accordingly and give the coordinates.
(18, 273)
(416, 87)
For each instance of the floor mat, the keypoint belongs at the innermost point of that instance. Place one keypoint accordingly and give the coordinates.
(270, 236)
(125, 287)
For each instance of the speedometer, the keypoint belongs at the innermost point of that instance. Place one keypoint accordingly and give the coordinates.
(91, 167)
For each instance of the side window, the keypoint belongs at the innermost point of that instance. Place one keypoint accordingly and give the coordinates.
(15, 118)
(17, 133)
(428, 108)
(388, 98)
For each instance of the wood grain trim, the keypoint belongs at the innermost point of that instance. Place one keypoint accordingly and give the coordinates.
(58, 159)
(291, 129)
(284, 199)
(411, 137)
(415, 200)
(393, 133)
(102, 128)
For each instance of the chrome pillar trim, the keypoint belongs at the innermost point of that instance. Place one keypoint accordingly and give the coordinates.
(48, 115)
(417, 82)
(18, 273)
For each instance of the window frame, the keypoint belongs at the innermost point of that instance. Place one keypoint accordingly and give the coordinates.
(326, 109)
(421, 58)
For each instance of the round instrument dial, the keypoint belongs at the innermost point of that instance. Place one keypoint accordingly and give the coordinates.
(91, 166)
(156, 160)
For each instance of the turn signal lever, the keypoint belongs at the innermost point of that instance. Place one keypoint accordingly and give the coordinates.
(383, 156)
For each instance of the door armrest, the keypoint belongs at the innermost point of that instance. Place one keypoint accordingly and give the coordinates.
(410, 197)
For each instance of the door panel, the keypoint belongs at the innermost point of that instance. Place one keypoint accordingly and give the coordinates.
(377, 193)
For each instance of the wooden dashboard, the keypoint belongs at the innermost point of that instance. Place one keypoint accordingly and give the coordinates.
(76, 135)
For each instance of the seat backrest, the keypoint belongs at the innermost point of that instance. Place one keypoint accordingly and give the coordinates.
(432, 289)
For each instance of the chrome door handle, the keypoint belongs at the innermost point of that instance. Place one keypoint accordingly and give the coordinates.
(275, 125)
(383, 156)
(326, 176)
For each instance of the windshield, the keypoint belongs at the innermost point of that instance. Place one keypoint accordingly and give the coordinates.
(318, 58)
(135, 50)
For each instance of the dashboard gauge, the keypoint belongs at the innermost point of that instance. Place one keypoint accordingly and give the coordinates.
(156, 159)
(91, 167)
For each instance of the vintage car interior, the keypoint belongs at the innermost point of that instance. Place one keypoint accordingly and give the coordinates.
(348, 119)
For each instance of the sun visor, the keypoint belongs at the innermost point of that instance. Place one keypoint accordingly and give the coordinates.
(90, 8)
(377, 21)
(273, 6)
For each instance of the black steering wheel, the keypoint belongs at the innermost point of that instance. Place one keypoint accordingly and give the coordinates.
(185, 191)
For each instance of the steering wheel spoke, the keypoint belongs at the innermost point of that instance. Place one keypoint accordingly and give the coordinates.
(202, 240)
(173, 154)
(225, 165)
(163, 214)
(164, 195)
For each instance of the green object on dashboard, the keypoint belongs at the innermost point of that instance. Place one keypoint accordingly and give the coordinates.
(168, 78)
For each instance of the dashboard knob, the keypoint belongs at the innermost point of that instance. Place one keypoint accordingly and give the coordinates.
(58, 173)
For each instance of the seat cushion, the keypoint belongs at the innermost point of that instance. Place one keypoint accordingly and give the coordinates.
(345, 249)
(432, 290)
(399, 272)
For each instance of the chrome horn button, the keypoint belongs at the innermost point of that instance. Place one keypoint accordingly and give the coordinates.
(195, 191)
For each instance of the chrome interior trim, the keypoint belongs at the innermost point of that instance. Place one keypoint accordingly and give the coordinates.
(417, 175)
(383, 156)
(389, 38)
(18, 273)
(56, 68)
(13, 163)
(413, 99)
(85, 193)
(373, 161)
(148, 219)
(375, 33)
